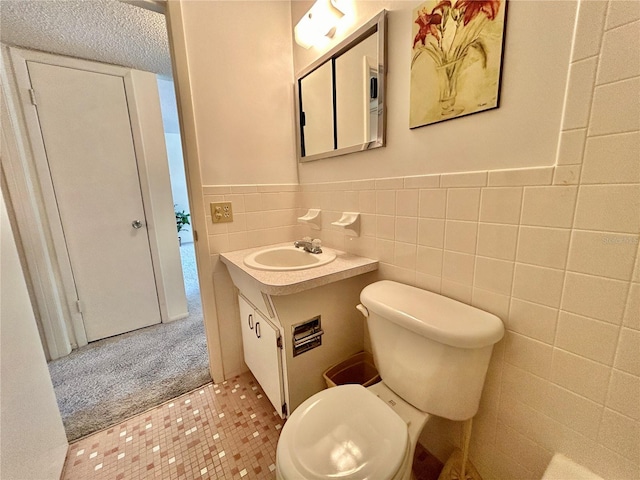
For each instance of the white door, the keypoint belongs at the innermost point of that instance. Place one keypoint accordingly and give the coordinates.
(86, 130)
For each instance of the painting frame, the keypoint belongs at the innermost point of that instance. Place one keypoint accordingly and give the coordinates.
(457, 58)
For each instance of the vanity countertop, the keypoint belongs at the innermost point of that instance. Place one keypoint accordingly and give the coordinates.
(346, 265)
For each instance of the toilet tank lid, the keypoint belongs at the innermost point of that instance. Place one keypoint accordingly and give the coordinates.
(438, 318)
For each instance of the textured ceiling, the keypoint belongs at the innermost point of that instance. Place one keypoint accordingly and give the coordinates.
(107, 31)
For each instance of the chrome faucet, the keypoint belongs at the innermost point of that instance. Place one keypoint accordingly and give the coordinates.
(308, 245)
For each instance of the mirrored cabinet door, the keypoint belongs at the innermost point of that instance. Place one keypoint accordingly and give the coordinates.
(356, 73)
(316, 122)
(340, 97)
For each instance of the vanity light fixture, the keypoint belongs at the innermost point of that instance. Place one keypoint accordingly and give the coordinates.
(319, 22)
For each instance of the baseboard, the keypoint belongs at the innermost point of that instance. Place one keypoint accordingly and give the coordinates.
(235, 373)
(180, 316)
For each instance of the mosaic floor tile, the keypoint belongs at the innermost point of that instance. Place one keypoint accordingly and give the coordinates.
(220, 431)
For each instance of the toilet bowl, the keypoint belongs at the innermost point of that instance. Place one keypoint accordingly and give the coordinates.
(372, 433)
(432, 354)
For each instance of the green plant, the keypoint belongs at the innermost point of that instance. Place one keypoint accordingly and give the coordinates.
(182, 219)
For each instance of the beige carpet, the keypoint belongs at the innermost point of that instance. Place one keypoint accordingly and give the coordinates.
(110, 380)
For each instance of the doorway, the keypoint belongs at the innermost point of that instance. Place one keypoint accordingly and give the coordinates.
(85, 128)
(173, 142)
(175, 347)
(111, 378)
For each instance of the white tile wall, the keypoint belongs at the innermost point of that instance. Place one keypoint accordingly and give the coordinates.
(580, 375)
(618, 434)
(572, 410)
(616, 108)
(632, 312)
(597, 297)
(582, 76)
(458, 267)
(627, 358)
(406, 229)
(571, 146)
(622, 12)
(592, 339)
(543, 246)
(612, 159)
(624, 394)
(567, 175)
(519, 176)
(611, 208)
(529, 355)
(538, 284)
(460, 236)
(433, 203)
(431, 232)
(533, 320)
(549, 206)
(619, 59)
(497, 241)
(553, 251)
(463, 203)
(602, 254)
(591, 16)
(494, 275)
(470, 179)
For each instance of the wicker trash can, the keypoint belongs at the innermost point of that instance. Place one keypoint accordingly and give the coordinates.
(358, 368)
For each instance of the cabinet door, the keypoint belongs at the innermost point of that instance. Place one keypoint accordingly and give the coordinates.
(249, 339)
(261, 352)
(268, 370)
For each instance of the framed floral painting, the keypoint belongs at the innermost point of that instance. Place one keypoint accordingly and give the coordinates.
(457, 59)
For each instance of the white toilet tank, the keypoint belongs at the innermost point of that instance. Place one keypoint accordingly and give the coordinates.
(431, 350)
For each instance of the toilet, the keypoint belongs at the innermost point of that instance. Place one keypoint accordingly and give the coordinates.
(432, 354)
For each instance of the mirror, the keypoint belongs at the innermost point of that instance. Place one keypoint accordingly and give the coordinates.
(340, 97)
(316, 94)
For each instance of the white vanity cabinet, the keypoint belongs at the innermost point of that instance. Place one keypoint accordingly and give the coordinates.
(262, 342)
(295, 325)
(288, 373)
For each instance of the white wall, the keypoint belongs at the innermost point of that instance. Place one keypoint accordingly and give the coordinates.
(168, 105)
(33, 444)
(239, 56)
(174, 151)
(178, 181)
(523, 132)
(240, 90)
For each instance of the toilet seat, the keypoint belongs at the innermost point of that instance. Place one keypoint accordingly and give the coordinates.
(345, 433)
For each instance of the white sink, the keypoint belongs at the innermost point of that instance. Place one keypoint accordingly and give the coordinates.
(287, 258)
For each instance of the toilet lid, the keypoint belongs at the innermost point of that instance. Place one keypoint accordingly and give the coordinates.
(344, 432)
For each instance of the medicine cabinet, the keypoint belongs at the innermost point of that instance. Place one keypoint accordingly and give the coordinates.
(340, 98)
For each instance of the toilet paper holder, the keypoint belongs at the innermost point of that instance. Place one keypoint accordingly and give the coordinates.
(306, 336)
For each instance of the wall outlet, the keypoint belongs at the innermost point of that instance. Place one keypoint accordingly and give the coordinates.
(221, 212)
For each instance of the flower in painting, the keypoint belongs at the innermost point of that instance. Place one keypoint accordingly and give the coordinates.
(431, 23)
(427, 23)
(471, 8)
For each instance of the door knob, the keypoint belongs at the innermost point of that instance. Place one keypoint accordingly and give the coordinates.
(136, 224)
